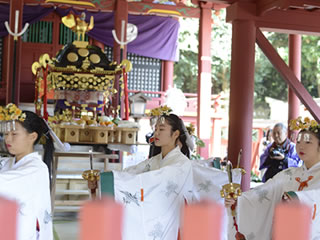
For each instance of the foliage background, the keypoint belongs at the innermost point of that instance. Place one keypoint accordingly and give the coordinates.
(268, 82)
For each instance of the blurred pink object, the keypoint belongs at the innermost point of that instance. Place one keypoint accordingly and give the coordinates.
(202, 221)
(8, 219)
(101, 220)
(292, 221)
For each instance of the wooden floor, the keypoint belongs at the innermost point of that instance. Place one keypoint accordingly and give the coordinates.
(66, 230)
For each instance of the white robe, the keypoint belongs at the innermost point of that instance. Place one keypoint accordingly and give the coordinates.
(312, 199)
(153, 193)
(256, 207)
(207, 183)
(27, 182)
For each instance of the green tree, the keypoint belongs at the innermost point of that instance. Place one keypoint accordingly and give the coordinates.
(310, 64)
(268, 82)
(186, 70)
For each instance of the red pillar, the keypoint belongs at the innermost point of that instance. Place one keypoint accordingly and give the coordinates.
(168, 72)
(241, 95)
(9, 53)
(295, 65)
(121, 13)
(204, 77)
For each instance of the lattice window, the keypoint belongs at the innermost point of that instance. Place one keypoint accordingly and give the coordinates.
(109, 52)
(145, 74)
(39, 32)
(67, 36)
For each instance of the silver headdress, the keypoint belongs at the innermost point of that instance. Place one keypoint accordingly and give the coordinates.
(8, 115)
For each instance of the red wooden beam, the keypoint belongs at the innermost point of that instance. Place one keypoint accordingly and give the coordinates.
(180, 10)
(295, 21)
(144, 7)
(305, 4)
(290, 21)
(241, 10)
(265, 6)
(288, 75)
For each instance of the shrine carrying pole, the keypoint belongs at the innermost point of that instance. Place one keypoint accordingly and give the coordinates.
(15, 35)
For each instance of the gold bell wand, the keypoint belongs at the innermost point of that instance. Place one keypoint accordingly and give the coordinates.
(92, 176)
(233, 190)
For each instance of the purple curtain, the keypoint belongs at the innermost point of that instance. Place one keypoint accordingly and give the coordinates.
(32, 14)
(157, 36)
(4, 16)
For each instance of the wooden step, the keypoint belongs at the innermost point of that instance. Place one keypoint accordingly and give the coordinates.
(86, 159)
(77, 176)
(68, 202)
(72, 192)
(67, 208)
(71, 171)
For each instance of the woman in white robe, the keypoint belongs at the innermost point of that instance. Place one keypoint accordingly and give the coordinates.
(207, 184)
(154, 191)
(256, 207)
(25, 177)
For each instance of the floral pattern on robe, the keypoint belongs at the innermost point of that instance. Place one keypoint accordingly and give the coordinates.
(256, 207)
(207, 183)
(153, 193)
(27, 182)
(312, 199)
(154, 213)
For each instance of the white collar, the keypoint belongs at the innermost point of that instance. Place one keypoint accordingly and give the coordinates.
(315, 167)
(26, 158)
(169, 154)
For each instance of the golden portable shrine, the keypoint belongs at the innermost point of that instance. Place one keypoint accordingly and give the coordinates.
(83, 82)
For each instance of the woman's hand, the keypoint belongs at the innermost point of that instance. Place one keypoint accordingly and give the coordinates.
(289, 196)
(228, 202)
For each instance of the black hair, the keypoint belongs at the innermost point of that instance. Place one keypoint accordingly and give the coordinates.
(269, 133)
(176, 124)
(34, 123)
(282, 126)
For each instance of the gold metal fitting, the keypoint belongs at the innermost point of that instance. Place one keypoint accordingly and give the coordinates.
(91, 175)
